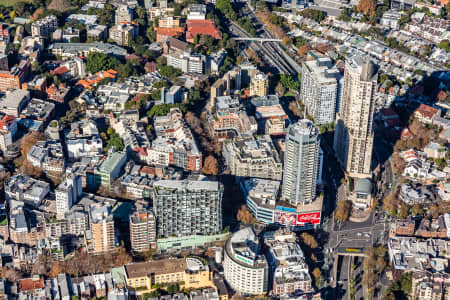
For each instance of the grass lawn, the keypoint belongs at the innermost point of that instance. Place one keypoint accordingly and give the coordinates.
(288, 94)
(11, 2)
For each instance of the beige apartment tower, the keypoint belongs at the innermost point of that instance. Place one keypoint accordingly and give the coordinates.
(353, 140)
(142, 230)
(259, 85)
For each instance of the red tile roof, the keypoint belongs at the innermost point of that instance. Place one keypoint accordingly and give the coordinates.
(202, 27)
(59, 71)
(29, 284)
(427, 111)
(7, 119)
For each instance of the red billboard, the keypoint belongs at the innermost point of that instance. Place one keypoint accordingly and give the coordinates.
(310, 218)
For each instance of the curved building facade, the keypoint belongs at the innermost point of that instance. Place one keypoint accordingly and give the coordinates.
(246, 270)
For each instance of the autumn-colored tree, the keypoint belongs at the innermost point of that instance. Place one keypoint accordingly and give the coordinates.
(417, 210)
(343, 210)
(390, 203)
(192, 120)
(28, 169)
(122, 257)
(403, 211)
(36, 14)
(29, 140)
(309, 240)
(245, 216)
(279, 89)
(434, 211)
(398, 163)
(55, 269)
(366, 7)
(317, 274)
(380, 264)
(293, 107)
(11, 274)
(210, 165)
(302, 50)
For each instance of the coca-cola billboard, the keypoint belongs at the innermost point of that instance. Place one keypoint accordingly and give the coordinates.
(310, 218)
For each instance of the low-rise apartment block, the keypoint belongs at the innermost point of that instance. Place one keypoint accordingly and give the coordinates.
(252, 157)
(45, 26)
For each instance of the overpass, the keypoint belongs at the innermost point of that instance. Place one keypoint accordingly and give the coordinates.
(351, 252)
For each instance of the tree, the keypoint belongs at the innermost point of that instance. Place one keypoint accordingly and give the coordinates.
(434, 211)
(29, 140)
(417, 210)
(403, 211)
(210, 166)
(244, 216)
(55, 269)
(97, 61)
(293, 107)
(309, 240)
(343, 210)
(317, 274)
(279, 89)
(289, 82)
(367, 7)
(380, 264)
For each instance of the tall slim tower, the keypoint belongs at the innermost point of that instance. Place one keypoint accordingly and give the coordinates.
(66, 194)
(353, 140)
(301, 163)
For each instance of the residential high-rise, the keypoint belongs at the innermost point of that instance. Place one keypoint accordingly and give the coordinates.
(319, 90)
(67, 193)
(102, 229)
(124, 14)
(259, 85)
(187, 207)
(353, 140)
(301, 163)
(142, 230)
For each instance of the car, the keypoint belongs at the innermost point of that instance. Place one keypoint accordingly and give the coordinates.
(359, 234)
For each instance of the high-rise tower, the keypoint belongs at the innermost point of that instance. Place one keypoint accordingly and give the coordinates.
(301, 163)
(353, 140)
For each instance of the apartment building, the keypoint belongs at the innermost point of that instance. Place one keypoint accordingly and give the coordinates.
(45, 26)
(109, 169)
(186, 207)
(169, 22)
(175, 145)
(103, 238)
(14, 78)
(187, 62)
(122, 33)
(123, 14)
(230, 120)
(8, 130)
(287, 262)
(301, 163)
(66, 194)
(253, 157)
(353, 140)
(261, 196)
(259, 85)
(320, 89)
(142, 230)
(48, 156)
(189, 273)
(245, 268)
